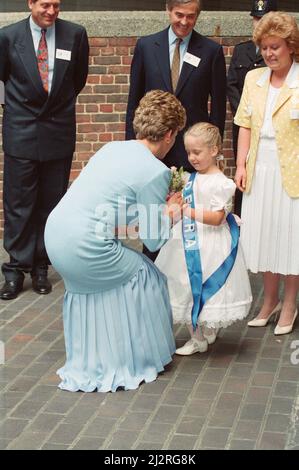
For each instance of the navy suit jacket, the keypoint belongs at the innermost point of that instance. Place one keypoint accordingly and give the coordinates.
(150, 70)
(38, 126)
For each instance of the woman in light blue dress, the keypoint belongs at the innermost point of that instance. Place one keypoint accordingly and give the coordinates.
(116, 311)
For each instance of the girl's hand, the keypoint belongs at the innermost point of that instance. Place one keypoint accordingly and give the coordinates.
(240, 178)
(174, 206)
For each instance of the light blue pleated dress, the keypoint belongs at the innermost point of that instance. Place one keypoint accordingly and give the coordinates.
(116, 311)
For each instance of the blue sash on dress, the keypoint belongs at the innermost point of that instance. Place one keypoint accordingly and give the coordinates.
(201, 292)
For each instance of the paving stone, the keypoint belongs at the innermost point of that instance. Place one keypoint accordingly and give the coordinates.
(290, 373)
(65, 434)
(185, 381)
(271, 352)
(38, 369)
(27, 409)
(80, 415)
(199, 407)
(204, 390)
(61, 404)
(180, 442)
(157, 432)
(10, 399)
(248, 357)
(240, 370)
(100, 427)
(277, 423)
(146, 403)
(247, 429)
(123, 440)
(191, 425)
(235, 385)
(12, 428)
(238, 444)
(253, 411)
(281, 405)
(4, 443)
(223, 418)
(215, 437)
(195, 366)
(272, 441)
(154, 388)
(263, 379)
(267, 365)
(257, 395)
(23, 384)
(29, 441)
(167, 414)
(285, 389)
(46, 422)
(148, 446)
(213, 375)
(50, 446)
(134, 421)
(89, 443)
(176, 396)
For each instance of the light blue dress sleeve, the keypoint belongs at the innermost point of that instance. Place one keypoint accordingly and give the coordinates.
(154, 226)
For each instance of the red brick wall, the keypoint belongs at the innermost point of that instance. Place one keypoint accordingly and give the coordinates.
(101, 105)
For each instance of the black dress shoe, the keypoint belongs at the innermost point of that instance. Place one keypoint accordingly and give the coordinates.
(41, 284)
(11, 290)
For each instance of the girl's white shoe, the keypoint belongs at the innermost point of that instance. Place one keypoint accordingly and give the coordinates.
(192, 346)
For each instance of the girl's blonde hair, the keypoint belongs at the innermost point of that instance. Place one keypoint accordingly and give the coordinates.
(158, 112)
(281, 25)
(210, 135)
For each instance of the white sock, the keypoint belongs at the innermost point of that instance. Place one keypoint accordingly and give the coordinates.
(197, 334)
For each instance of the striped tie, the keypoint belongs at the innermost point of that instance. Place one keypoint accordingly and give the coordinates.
(175, 66)
(42, 60)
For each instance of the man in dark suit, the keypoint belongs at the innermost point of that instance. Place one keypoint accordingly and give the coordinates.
(183, 62)
(245, 57)
(202, 73)
(44, 65)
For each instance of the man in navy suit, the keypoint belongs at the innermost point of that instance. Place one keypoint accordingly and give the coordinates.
(44, 65)
(202, 73)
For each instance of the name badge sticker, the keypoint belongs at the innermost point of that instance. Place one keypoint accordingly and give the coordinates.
(192, 59)
(63, 54)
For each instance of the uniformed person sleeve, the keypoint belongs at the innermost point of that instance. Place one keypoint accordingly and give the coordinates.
(233, 88)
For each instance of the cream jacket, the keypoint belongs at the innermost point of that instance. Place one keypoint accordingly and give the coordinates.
(250, 114)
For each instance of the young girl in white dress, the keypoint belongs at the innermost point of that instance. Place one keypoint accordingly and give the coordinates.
(226, 296)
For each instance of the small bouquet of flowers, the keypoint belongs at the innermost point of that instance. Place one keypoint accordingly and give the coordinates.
(177, 181)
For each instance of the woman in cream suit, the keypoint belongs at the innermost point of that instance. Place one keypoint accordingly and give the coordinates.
(268, 167)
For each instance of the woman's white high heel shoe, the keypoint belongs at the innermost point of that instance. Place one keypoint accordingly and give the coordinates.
(283, 330)
(264, 321)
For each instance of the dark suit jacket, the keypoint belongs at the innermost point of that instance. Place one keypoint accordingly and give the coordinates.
(244, 58)
(37, 126)
(151, 70)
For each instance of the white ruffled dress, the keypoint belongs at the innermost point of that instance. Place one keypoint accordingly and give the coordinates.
(232, 302)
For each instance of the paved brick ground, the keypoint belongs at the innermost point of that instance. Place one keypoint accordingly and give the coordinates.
(241, 394)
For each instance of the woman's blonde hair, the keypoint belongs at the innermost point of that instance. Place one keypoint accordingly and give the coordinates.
(211, 137)
(279, 24)
(158, 112)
